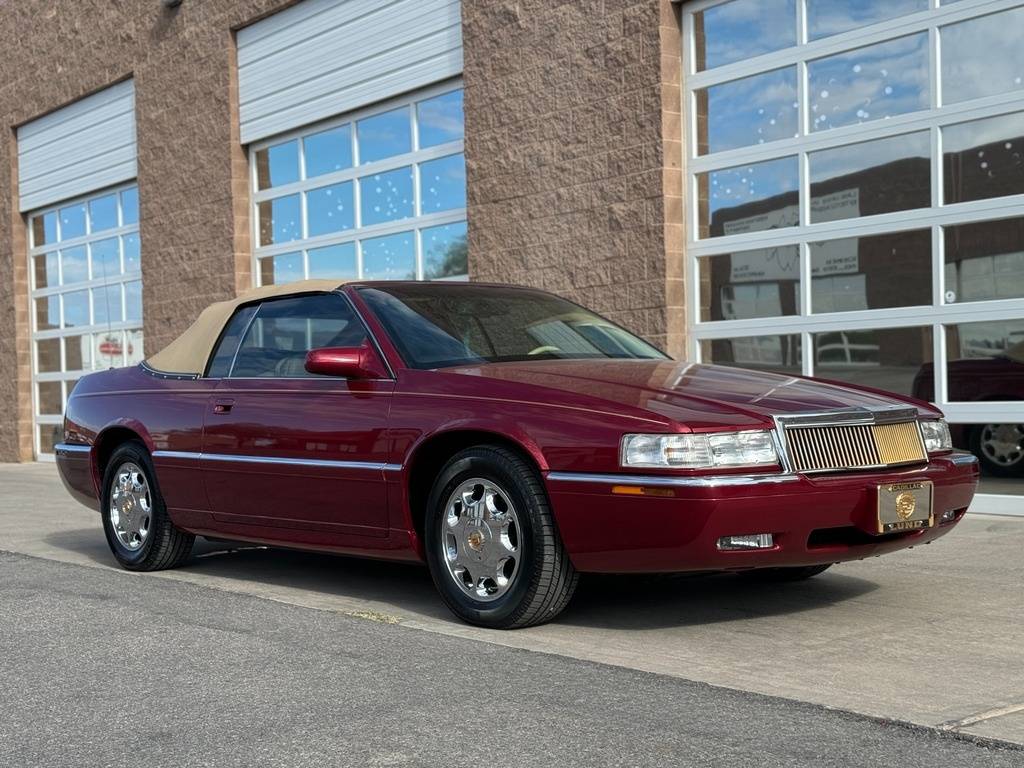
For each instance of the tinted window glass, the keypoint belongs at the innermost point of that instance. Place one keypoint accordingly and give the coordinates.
(437, 325)
(220, 363)
(284, 331)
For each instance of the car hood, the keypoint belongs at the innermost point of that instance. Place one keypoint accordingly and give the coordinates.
(697, 395)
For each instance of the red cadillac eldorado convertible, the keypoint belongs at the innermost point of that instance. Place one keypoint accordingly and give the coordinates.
(507, 437)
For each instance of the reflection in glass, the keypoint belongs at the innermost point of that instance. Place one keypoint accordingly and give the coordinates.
(443, 184)
(102, 213)
(871, 177)
(130, 206)
(109, 350)
(279, 220)
(887, 358)
(876, 272)
(78, 353)
(130, 243)
(134, 352)
(277, 165)
(749, 198)
(334, 261)
(133, 301)
(445, 251)
(384, 135)
(329, 209)
(982, 57)
(830, 17)
(74, 265)
(328, 151)
(76, 309)
(276, 270)
(44, 229)
(392, 257)
(983, 158)
(386, 196)
(48, 355)
(869, 83)
(742, 29)
(44, 268)
(749, 284)
(985, 261)
(748, 111)
(106, 258)
(47, 313)
(50, 399)
(768, 353)
(106, 304)
(72, 221)
(49, 436)
(440, 119)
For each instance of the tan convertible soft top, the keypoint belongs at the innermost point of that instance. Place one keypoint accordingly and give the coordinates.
(188, 353)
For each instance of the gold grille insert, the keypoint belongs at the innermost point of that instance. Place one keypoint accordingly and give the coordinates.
(854, 446)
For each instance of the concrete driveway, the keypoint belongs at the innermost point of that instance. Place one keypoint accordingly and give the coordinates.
(932, 636)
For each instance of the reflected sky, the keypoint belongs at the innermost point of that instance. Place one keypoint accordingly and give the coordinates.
(830, 17)
(440, 119)
(983, 56)
(742, 29)
(732, 187)
(392, 257)
(752, 110)
(384, 135)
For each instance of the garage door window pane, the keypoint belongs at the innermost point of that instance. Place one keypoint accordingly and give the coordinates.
(76, 309)
(106, 304)
(277, 165)
(384, 135)
(44, 229)
(780, 354)
(983, 158)
(985, 361)
(74, 265)
(48, 355)
(329, 209)
(49, 436)
(386, 196)
(130, 244)
(130, 206)
(103, 213)
(78, 353)
(749, 198)
(280, 220)
(743, 29)
(982, 57)
(748, 111)
(443, 184)
(857, 180)
(72, 221)
(44, 269)
(830, 17)
(392, 257)
(47, 313)
(328, 151)
(50, 398)
(888, 358)
(750, 284)
(445, 251)
(133, 301)
(440, 119)
(985, 261)
(334, 261)
(286, 268)
(106, 258)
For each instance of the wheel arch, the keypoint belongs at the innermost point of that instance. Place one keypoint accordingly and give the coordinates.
(109, 439)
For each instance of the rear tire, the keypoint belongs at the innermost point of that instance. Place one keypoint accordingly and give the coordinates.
(785, 574)
(491, 542)
(138, 529)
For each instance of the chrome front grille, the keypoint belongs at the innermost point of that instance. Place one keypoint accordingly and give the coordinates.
(838, 447)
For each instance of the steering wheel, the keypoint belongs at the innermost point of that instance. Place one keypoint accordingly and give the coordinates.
(543, 350)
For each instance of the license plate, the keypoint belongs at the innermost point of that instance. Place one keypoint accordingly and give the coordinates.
(905, 506)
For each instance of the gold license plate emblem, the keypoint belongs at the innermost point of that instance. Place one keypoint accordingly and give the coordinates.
(905, 506)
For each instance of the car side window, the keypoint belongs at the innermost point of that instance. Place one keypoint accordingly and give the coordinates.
(220, 363)
(284, 330)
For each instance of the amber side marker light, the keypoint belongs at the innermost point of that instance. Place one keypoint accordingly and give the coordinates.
(639, 490)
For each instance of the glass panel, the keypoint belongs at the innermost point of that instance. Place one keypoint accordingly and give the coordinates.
(277, 165)
(742, 29)
(44, 267)
(440, 119)
(334, 261)
(132, 262)
(767, 353)
(748, 284)
(109, 350)
(103, 213)
(384, 135)
(130, 206)
(134, 353)
(870, 83)
(392, 257)
(106, 258)
(44, 229)
(985, 361)
(47, 313)
(749, 198)
(982, 57)
(443, 184)
(887, 358)
(1000, 451)
(277, 270)
(74, 265)
(50, 400)
(220, 363)
(330, 209)
(872, 272)
(985, 261)
(133, 301)
(76, 309)
(328, 151)
(386, 196)
(78, 352)
(49, 436)
(857, 180)
(106, 304)
(983, 158)
(279, 220)
(445, 251)
(830, 17)
(48, 355)
(72, 221)
(69, 386)
(748, 111)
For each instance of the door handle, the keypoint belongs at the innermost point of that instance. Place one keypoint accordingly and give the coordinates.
(223, 406)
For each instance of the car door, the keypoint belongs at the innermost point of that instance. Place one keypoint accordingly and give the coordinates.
(283, 448)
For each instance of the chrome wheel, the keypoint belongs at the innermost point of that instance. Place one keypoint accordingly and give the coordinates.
(131, 506)
(480, 539)
(1003, 444)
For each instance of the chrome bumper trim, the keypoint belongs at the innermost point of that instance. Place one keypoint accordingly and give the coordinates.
(711, 481)
(71, 449)
(242, 459)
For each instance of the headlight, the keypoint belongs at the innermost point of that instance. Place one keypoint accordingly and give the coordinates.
(704, 451)
(936, 436)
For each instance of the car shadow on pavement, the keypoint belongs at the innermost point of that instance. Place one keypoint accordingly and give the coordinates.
(611, 602)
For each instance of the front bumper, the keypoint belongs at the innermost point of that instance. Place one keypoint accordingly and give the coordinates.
(814, 519)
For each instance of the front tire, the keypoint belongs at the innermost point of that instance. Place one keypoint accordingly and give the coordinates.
(138, 529)
(491, 542)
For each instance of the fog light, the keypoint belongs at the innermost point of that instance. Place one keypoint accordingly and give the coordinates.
(750, 541)
(948, 516)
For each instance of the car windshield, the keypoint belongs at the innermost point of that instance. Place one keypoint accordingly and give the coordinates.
(436, 325)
